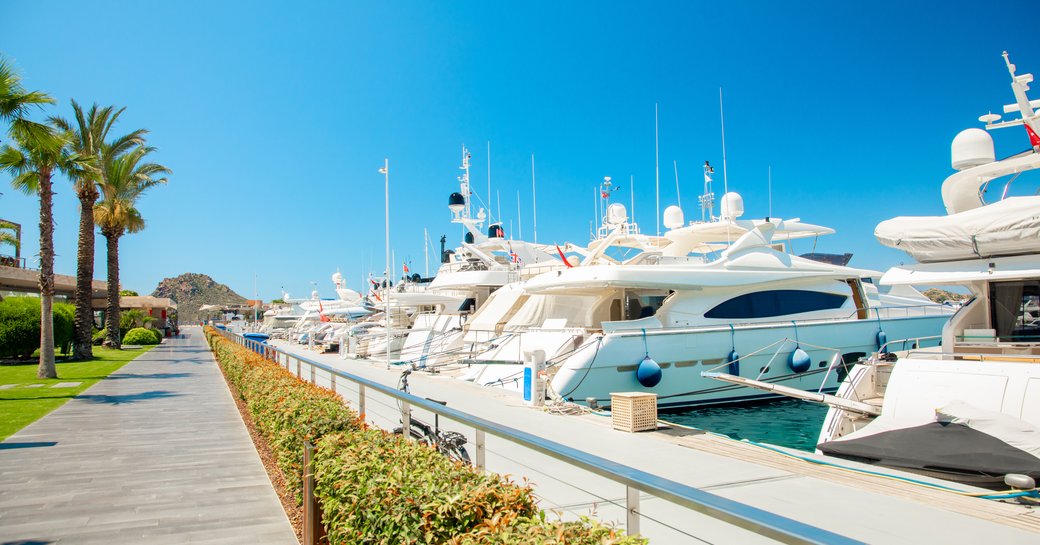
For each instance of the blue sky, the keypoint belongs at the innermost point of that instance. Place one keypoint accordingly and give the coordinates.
(275, 117)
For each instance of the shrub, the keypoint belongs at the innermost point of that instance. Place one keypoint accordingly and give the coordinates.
(98, 337)
(20, 326)
(375, 487)
(286, 410)
(139, 335)
(158, 335)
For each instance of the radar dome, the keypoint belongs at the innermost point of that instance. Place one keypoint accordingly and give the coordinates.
(673, 217)
(971, 148)
(456, 202)
(314, 294)
(337, 279)
(732, 205)
(617, 214)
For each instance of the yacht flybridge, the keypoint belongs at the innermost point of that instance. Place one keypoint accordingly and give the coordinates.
(656, 321)
(970, 412)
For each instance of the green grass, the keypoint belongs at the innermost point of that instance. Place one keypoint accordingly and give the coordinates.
(21, 406)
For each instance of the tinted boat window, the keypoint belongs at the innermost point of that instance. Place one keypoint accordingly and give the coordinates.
(764, 304)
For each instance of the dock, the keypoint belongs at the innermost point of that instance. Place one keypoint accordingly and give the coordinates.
(872, 509)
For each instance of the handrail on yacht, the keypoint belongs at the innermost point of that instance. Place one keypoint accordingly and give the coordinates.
(744, 516)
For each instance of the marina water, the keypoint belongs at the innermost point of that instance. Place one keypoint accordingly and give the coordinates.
(789, 422)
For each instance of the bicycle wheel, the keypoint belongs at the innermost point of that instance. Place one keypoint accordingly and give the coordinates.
(457, 453)
(416, 434)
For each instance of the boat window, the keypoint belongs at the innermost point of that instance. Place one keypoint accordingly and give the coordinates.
(642, 305)
(468, 305)
(1015, 310)
(765, 304)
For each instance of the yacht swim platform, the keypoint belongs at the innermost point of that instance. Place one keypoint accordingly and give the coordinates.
(872, 508)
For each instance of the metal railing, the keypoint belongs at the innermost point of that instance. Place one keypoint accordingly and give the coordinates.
(744, 516)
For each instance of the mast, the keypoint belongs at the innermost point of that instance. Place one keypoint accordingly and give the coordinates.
(657, 173)
(722, 118)
(386, 294)
(534, 201)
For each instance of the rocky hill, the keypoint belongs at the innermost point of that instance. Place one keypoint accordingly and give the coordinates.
(941, 296)
(191, 291)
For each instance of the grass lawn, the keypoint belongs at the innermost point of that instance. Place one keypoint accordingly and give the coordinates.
(21, 406)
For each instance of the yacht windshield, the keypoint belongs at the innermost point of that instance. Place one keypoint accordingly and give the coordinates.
(1015, 308)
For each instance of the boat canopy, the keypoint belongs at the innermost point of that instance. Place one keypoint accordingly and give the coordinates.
(1006, 228)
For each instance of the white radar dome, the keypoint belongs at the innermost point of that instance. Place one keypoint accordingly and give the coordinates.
(732, 205)
(314, 294)
(617, 214)
(337, 279)
(673, 217)
(971, 148)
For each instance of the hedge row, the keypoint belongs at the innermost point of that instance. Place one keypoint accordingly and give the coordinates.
(20, 326)
(375, 487)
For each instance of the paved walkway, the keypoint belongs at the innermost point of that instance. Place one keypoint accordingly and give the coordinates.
(155, 453)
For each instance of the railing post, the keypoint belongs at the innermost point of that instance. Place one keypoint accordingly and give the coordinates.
(312, 528)
(299, 371)
(479, 440)
(332, 379)
(361, 400)
(314, 379)
(406, 419)
(632, 506)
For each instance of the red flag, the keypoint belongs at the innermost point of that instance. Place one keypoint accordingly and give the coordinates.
(321, 312)
(1034, 140)
(563, 257)
(405, 268)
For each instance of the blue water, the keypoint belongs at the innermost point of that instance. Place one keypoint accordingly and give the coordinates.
(789, 422)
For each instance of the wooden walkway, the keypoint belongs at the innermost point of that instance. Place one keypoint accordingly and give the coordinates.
(156, 453)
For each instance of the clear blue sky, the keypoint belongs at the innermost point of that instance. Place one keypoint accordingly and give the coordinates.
(275, 117)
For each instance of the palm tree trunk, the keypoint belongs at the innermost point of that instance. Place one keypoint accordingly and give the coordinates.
(46, 368)
(112, 337)
(83, 327)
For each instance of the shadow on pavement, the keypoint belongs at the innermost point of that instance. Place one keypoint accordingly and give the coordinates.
(33, 444)
(127, 398)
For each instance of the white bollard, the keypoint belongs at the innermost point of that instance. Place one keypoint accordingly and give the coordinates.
(534, 382)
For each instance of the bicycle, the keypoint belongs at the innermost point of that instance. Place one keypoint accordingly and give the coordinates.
(448, 443)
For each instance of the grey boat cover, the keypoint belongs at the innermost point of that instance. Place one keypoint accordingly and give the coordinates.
(964, 444)
(1008, 227)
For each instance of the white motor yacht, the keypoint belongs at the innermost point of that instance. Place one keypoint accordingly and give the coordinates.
(656, 321)
(971, 411)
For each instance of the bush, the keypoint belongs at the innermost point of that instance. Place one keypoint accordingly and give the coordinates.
(139, 335)
(20, 326)
(375, 487)
(98, 337)
(158, 335)
(286, 410)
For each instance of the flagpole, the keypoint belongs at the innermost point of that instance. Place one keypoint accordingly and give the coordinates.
(657, 173)
(534, 201)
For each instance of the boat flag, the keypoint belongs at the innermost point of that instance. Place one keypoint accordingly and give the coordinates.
(405, 268)
(563, 257)
(1034, 140)
(321, 312)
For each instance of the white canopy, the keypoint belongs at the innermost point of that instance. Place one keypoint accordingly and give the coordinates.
(1008, 227)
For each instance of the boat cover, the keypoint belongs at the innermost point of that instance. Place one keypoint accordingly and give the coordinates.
(1008, 227)
(965, 444)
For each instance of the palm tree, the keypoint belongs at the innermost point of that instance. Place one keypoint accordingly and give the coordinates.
(33, 164)
(125, 178)
(7, 236)
(87, 137)
(15, 103)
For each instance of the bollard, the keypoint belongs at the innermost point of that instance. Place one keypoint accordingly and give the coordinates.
(313, 531)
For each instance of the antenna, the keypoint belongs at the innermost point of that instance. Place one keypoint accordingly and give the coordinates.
(426, 249)
(519, 218)
(657, 173)
(498, 194)
(675, 165)
(722, 118)
(534, 201)
(489, 183)
(707, 199)
(386, 173)
(769, 189)
(632, 188)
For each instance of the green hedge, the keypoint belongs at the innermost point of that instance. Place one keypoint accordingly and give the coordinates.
(375, 487)
(20, 326)
(139, 336)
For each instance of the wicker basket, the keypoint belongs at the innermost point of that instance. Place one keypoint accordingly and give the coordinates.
(633, 411)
